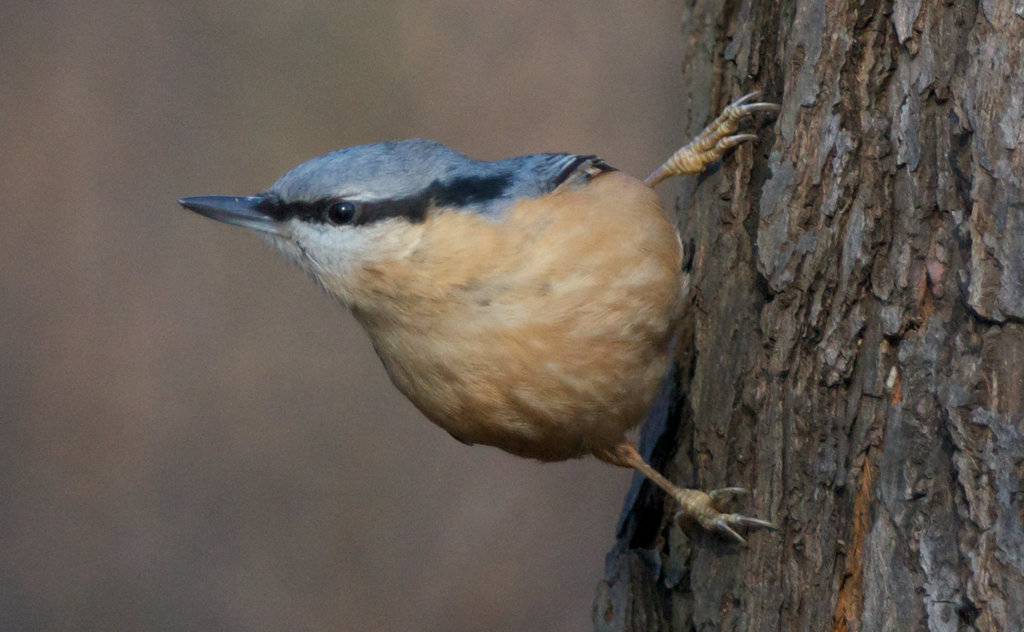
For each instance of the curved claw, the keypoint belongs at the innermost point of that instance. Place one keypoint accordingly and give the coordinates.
(746, 97)
(750, 108)
(742, 105)
(720, 525)
(732, 141)
(750, 523)
(740, 108)
(721, 496)
(723, 524)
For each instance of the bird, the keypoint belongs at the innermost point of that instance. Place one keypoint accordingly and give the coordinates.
(529, 303)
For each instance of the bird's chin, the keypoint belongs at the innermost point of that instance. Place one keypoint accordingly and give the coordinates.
(301, 257)
(289, 248)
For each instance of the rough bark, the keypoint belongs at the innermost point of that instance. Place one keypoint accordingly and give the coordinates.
(856, 351)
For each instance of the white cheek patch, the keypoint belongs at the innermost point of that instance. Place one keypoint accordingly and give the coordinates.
(332, 253)
(292, 250)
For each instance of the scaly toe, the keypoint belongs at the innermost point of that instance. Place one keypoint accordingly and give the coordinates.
(704, 508)
(714, 140)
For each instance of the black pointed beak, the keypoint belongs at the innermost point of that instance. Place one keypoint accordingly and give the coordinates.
(249, 211)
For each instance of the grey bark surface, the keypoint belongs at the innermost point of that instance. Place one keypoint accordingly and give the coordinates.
(854, 353)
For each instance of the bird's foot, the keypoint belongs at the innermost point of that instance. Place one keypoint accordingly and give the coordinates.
(705, 508)
(713, 141)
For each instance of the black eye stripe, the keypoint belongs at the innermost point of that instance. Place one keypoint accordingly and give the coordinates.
(455, 193)
(470, 190)
(413, 208)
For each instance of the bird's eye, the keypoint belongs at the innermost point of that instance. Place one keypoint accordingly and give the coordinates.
(341, 213)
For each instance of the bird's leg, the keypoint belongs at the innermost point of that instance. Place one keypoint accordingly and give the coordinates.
(703, 507)
(711, 143)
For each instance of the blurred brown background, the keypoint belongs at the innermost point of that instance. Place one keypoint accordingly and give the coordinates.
(193, 436)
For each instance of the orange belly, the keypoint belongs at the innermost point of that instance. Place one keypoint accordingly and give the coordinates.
(544, 333)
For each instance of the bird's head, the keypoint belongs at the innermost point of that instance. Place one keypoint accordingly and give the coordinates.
(334, 212)
(369, 204)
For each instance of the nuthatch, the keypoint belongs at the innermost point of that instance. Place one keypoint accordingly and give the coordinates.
(528, 304)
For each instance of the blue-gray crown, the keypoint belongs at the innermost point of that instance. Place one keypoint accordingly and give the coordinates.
(408, 178)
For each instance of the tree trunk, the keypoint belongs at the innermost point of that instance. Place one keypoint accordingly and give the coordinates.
(855, 349)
